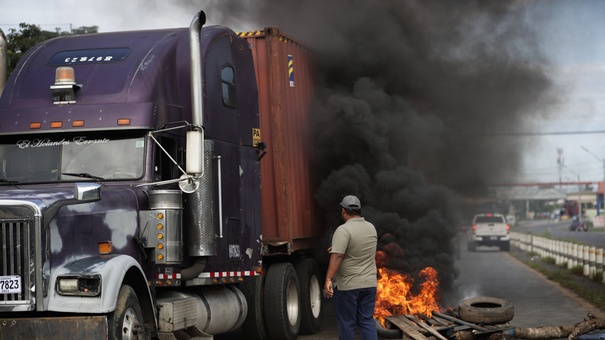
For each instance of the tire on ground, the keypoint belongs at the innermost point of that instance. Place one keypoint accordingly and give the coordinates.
(126, 321)
(254, 325)
(505, 246)
(387, 332)
(310, 296)
(486, 310)
(281, 299)
(472, 246)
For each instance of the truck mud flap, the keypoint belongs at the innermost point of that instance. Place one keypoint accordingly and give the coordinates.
(77, 327)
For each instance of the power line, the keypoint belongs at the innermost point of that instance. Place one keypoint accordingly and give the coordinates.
(548, 133)
(62, 24)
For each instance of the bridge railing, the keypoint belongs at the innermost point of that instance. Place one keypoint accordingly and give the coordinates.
(565, 254)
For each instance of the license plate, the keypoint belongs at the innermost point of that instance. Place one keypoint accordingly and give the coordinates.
(493, 238)
(10, 284)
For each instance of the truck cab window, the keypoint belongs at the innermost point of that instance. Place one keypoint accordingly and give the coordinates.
(104, 158)
(24, 163)
(76, 158)
(228, 87)
(165, 169)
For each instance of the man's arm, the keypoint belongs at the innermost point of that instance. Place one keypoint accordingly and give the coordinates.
(335, 261)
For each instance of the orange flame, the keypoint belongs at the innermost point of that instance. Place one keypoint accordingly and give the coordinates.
(393, 295)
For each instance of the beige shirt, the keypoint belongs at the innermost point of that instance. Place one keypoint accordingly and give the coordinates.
(357, 240)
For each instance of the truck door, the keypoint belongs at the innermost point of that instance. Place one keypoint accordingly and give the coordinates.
(221, 126)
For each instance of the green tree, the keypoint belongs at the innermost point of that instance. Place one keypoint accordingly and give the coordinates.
(21, 40)
(28, 35)
(85, 30)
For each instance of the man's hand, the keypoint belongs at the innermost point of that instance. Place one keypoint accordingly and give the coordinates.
(328, 289)
(335, 261)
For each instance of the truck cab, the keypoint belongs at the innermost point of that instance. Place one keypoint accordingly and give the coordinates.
(126, 185)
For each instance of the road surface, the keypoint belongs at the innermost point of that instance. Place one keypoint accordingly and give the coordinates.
(537, 301)
(490, 272)
(560, 230)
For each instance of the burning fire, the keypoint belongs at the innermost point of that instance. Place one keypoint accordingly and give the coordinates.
(393, 295)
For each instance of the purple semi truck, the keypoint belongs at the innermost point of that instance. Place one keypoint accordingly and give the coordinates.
(130, 188)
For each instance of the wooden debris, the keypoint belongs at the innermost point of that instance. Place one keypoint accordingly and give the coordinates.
(554, 332)
(423, 325)
(406, 326)
(446, 327)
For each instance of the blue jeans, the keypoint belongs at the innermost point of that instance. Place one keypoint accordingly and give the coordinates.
(355, 309)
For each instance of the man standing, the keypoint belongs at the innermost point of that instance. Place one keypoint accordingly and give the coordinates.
(351, 277)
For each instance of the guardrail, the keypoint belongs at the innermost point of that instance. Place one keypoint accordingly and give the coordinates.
(565, 253)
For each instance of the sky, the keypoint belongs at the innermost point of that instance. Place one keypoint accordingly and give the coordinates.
(571, 34)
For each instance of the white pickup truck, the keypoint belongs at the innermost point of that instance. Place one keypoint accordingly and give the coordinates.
(489, 230)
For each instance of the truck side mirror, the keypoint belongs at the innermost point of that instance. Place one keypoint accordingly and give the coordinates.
(88, 192)
(195, 153)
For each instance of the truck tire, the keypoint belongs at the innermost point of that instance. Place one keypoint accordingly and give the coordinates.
(310, 296)
(281, 298)
(126, 321)
(486, 310)
(254, 325)
(472, 246)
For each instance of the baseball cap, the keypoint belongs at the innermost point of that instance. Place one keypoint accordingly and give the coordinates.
(351, 202)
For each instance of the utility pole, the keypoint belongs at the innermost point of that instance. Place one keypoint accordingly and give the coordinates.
(603, 161)
(579, 202)
(560, 163)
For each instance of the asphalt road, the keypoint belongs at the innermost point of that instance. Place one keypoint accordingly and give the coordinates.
(560, 230)
(490, 272)
(537, 301)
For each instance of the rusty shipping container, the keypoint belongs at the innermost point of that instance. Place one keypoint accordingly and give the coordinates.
(285, 85)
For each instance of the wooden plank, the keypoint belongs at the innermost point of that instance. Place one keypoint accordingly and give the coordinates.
(432, 321)
(406, 327)
(462, 322)
(443, 321)
(425, 326)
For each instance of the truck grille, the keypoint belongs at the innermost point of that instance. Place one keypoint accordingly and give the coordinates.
(16, 259)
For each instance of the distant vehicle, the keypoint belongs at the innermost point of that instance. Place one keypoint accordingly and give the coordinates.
(577, 225)
(489, 230)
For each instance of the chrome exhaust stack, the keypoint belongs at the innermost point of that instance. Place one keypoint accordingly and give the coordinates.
(195, 136)
(3, 61)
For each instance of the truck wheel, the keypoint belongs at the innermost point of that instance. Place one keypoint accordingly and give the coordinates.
(282, 302)
(254, 325)
(486, 310)
(472, 246)
(126, 321)
(310, 296)
(505, 246)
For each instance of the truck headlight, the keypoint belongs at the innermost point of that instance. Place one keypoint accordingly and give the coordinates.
(67, 285)
(89, 285)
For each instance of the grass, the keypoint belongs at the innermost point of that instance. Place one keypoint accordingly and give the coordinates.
(549, 259)
(597, 276)
(570, 280)
(577, 270)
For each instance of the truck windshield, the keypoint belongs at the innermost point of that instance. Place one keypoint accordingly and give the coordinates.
(78, 158)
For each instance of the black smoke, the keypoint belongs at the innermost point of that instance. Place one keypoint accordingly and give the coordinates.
(415, 103)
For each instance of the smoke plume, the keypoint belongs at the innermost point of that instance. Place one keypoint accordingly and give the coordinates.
(415, 101)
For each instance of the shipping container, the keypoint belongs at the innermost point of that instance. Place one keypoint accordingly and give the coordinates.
(286, 88)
